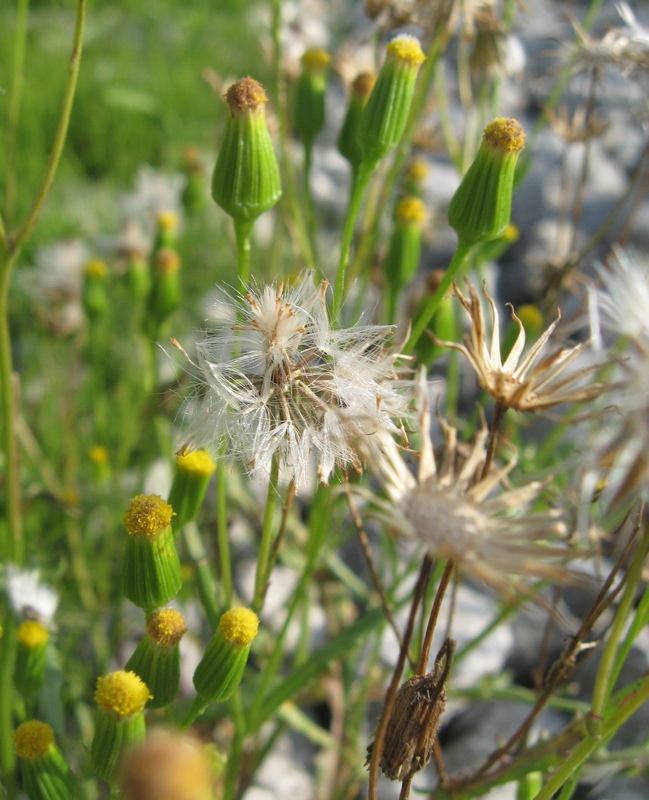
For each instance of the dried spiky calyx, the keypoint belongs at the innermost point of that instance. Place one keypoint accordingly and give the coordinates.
(412, 730)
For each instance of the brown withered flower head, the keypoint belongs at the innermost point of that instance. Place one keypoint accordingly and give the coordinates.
(482, 524)
(525, 383)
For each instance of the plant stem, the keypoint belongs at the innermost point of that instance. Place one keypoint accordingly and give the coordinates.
(15, 96)
(222, 535)
(242, 232)
(365, 172)
(263, 559)
(603, 682)
(460, 257)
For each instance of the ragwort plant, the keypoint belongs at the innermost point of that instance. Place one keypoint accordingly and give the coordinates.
(143, 647)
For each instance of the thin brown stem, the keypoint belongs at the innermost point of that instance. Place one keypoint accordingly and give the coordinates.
(499, 413)
(388, 706)
(433, 617)
(376, 580)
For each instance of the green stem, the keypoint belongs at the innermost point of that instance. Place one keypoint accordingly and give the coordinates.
(459, 259)
(603, 681)
(308, 198)
(265, 546)
(205, 583)
(365, 172)
(7, 694)
(15, 97)
(624, 710)
(222, 535)
(236, 748)
(195, 710)
(242, 231)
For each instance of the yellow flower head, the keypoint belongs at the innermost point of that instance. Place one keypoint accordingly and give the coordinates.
(167, 220)
(33, 739)
(245, 94)
(95, 268)
(166, 626)
(505, 133)
(198, 462)
(239, 626)
(98, 454)
(147, 515)
(406, 48)
(315, 58)
(122, 693)
(410, 209)
(32, 634)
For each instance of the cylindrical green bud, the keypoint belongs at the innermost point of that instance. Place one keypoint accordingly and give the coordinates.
(348, 143)
(166, 231)
(416, 172)
(220, 670)
(94, 294)
(402, 259)
(156, 659)
(151, 569)
(138, 276)
(121, 697)
(246, 180)
(309, 95)
(165, 293)
(31, 655)
(481, 207)
(195, 191)
(45, 774)
(192, 477)
(384, 117)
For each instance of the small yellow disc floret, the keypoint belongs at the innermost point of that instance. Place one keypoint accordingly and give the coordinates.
(33, 739)
(32, 633)
(505, 133)
(239, 626)
(167, 626)
(147, 515)
(410, 209)
(95, 268)
(122, 693)
(98, 454)
(198, 462)
(315, 58)
(406, 48)
(167, 220)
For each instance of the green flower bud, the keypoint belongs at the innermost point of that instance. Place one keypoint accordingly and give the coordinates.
(309, 95)
(246, 180)
(384, 117)
(94, 295)
(45, 774)
(151, 569)
(195, 191)
(402, 259)
(348, 144)
(156, 659)
(165, 293)
(481, 207)
(416, 171)
(167, 231)
(193, 473)
(220, 670)
(121, 697)
(31, 655)
(138, 276)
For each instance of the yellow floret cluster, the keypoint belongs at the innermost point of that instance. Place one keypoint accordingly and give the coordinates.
(410, 209)
(198, 462)
(505, 133)
(239, 626)
(32, 739)
(406, 49)
(166, 626)
(122, 693)
(147, 515)
(32, 633)
(96, 269)
(315, 58)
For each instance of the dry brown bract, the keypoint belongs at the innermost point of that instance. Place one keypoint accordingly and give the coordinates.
(418, 709)
(531, 383)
